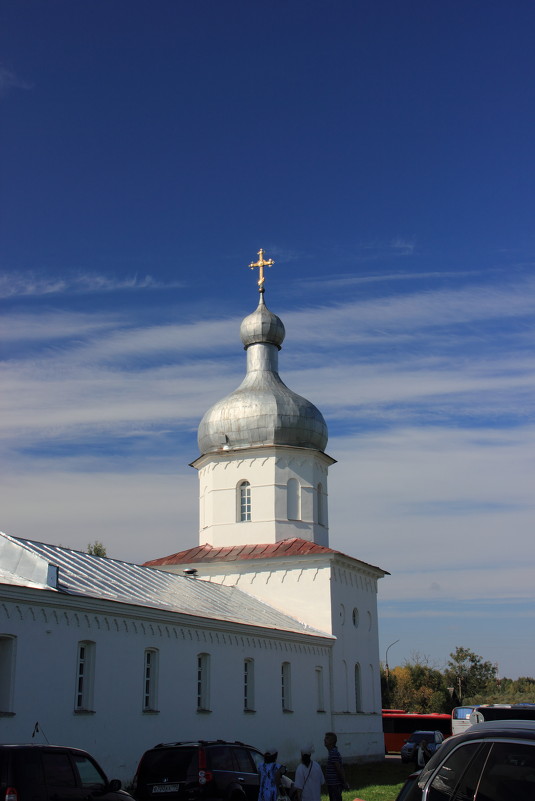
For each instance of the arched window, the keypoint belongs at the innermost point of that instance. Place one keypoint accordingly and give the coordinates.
(7, 672)
(320, 700)
(248, 685)
(202, 512)
(321, 504)
(203, 682)
(85, 676)
(358, 689)
(244, 501)
(150, 680)
(286, 686)
(293, 498)
(344, 688)
(372, 689)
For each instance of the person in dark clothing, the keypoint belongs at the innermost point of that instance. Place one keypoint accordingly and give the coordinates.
(334, 770)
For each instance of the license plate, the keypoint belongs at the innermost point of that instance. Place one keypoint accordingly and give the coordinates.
(166, 788)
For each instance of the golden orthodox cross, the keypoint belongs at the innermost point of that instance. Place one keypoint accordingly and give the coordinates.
(261, 263)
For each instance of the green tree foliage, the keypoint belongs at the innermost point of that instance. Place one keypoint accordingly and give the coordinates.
(469, 675)
(96, 549)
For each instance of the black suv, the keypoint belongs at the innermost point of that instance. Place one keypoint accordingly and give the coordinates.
(201, 770)
(46, 772)
(492, 761)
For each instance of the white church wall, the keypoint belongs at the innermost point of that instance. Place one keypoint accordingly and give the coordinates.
(268, 471)
(301, 590)
(356, 651)
(337, 598)
(116, 729)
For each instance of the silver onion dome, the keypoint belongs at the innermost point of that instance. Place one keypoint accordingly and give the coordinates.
(262, 410)
(262, 326)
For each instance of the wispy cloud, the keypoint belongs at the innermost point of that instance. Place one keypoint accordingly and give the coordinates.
(91, 370)
(31, 285)
(389, 278)
(48, 326)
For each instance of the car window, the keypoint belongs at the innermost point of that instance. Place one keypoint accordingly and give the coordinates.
(90, 775)
(410, 790)
(28, 768)
(257, 757)
(58, 769)
(467, 786)
(418, 736)
(450, 771)
(244, 760)
(174, 764)
(220, 758)
(509, 773)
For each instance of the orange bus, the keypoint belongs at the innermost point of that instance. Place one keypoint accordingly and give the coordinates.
(398, 726)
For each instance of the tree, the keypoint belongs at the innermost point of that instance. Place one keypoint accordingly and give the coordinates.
(417, 687)
(97, 549)
(469, 675)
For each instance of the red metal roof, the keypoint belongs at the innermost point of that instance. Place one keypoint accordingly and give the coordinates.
(235, 553)
(232, 553)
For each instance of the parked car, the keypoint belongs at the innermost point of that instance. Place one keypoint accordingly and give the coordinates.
(492, 761)
(409, 749)
(205, 769)
(54, 773)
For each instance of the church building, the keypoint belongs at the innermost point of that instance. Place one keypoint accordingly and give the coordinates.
(262, 633)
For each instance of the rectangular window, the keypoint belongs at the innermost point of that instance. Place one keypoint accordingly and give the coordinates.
(248, 685)
(358, 689)
(203, 682)
(150, 681)
(85, 674)
(319, 690)
(7, 672)
(286, 689)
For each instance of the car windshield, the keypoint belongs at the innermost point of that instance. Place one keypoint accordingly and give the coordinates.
(173, 764)
(418, 736)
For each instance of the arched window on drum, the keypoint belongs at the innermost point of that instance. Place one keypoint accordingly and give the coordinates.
(244, 501)
(321, 501)
(293, 495)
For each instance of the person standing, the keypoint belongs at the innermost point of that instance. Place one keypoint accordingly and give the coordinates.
(423, 754)
(334, 771)
(270, 772)
(308, 776)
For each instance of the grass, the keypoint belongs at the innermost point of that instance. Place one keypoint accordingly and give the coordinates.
(375, 781)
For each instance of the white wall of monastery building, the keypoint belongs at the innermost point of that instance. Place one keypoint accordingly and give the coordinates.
(338, 595)
(116, 729)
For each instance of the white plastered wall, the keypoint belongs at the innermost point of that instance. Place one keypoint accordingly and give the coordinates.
(48, 629)
(268, 470)
(338, 596)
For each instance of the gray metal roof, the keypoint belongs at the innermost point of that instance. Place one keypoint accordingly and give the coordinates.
(27, 563)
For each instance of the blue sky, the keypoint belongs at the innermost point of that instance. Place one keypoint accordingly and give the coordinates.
(382, 154)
